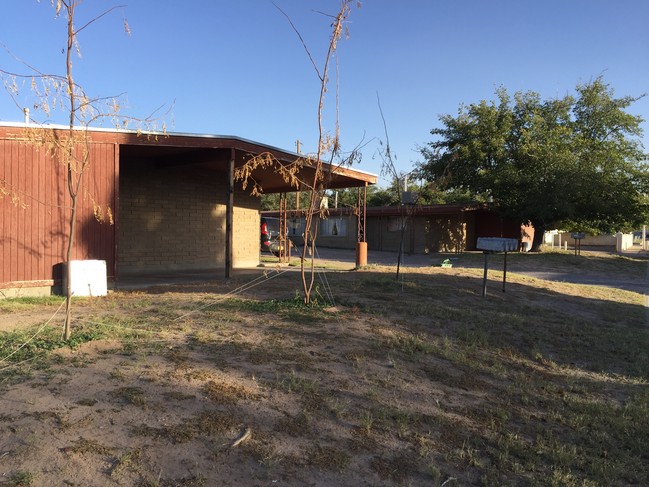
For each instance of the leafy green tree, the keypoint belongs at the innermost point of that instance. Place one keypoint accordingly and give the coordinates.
(271, 201)
(379, 196)
(428, 193)
(575, 162)
(347, 198)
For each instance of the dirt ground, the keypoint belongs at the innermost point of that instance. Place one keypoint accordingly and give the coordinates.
(209, 386)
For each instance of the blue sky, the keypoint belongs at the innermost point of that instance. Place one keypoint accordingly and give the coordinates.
(238, 68)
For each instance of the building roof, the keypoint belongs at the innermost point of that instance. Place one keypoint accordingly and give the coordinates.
(213, 152)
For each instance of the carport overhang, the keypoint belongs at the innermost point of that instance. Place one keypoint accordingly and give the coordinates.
(223, 155)
(116, 148)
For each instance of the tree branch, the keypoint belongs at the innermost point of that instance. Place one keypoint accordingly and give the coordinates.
(315, 66)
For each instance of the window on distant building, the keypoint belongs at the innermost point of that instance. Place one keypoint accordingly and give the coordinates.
(333, 227)
(396, 223)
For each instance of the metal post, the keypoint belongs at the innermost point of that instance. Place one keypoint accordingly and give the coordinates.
(361, 245)
(484, 279)
(283, 241)
(364, 212)
(505, 271)
(359, 218)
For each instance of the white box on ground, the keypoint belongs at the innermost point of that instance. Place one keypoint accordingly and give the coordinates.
(495, 244)
(87, 278)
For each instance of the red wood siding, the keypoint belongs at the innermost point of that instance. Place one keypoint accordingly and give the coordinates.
(489, 224)
(35, 209)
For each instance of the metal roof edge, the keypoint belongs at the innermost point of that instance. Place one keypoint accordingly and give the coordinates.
(171, 134)
(118, 130)
(415, 210)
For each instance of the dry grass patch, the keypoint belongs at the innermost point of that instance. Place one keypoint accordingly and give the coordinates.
(227, 393)
(130, 395)
(415, 382)
(206, 423)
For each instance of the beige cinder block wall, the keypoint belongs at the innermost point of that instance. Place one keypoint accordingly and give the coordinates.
(446, 233)
(174, 219)
(245, 229)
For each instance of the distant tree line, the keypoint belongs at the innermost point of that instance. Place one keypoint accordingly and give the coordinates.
(575, 162)
(425, 194)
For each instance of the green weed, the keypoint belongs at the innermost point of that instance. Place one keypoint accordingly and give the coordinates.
(21, 478)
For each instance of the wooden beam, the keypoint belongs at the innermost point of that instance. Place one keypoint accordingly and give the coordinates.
(229, 216)
(116, 212)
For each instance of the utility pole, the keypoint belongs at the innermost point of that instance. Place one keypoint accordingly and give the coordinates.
(298, 146)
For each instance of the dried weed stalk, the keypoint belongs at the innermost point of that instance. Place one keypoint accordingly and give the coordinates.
(316, 183)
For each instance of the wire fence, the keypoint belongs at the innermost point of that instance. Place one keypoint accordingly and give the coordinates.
(264, 278)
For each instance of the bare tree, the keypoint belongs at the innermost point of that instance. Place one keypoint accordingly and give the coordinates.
(52, 91)
(389, 168)
(329, 145)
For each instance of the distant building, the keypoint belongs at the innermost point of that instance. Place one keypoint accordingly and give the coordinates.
(426, 229)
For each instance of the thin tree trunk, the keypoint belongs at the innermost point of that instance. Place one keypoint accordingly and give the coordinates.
(73, 185)
(68, 271)
(309, 242)
(403, 233)
(537, 241)
(317, 178)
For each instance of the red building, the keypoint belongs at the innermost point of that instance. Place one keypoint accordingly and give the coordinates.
(425, 229)
(148, 203)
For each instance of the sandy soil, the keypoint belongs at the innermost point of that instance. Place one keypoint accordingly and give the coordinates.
(313, 403)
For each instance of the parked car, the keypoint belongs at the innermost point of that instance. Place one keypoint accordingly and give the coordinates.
(269, 241)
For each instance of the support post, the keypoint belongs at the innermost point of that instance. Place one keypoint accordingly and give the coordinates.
(284, 245)
(364, 212)
(361, 244)
(484, 279)
(505, 271)
(229, 216)
(358, 215)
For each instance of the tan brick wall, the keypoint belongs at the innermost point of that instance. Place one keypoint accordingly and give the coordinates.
(423, 234)
(246, 230)
(445, 234)
(174, 219)
(170, 219)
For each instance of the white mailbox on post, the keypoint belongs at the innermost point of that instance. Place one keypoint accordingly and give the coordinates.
(494, 244)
